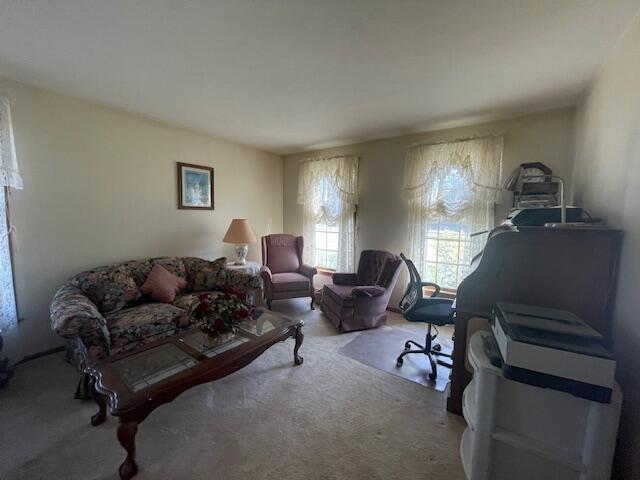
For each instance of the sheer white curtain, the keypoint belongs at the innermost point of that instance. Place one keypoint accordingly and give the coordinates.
(328, 192)
(452, 181)
(9, 178)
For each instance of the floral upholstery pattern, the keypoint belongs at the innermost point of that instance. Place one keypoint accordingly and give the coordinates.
(73, 314)
(187, 300)
(109, 288)
(103, 310)
(132, 327)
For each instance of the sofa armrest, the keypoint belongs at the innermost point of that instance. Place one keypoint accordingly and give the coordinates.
(74, 315)
(368, 291)
(345, 278)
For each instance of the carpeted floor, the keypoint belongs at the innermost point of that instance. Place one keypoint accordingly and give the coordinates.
(332, 418)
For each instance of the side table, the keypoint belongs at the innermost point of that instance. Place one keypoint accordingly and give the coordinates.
(252, 268)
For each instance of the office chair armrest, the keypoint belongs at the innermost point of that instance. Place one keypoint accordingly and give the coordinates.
(431, 284)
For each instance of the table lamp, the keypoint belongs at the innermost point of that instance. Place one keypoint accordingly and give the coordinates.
(240, 233)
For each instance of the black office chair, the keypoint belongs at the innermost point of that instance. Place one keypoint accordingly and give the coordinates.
(433, 311)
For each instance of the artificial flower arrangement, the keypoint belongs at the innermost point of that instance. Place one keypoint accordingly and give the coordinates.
(218, 314)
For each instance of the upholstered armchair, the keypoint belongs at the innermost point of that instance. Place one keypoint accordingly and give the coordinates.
(283, 273)
(357, 301)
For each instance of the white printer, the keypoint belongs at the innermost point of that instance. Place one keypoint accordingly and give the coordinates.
(553, 349)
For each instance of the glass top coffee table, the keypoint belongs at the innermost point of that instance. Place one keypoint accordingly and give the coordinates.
(132, 385)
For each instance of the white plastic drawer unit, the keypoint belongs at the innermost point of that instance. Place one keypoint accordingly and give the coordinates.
(520, 431)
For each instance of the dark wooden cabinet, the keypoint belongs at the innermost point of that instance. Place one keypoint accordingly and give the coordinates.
(572, 269)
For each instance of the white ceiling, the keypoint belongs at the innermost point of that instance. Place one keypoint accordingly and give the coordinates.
(290, 75)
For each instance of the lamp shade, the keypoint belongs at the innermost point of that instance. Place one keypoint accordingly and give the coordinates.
(239, 232)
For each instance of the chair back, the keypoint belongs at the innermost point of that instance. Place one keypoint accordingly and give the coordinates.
(414, 288)
(377, 267)
(282, 252)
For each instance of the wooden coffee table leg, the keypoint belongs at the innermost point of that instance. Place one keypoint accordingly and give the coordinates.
(127, 438)
(299, 336)
(101, 400)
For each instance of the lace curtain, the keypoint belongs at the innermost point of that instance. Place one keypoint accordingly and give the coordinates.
(9, 178)
(328, 193)
(455, 181)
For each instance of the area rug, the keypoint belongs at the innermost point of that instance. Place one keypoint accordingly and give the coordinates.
(379, 348)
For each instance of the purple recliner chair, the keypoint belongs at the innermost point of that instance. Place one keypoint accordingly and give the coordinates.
(357, 301)
(283, 273)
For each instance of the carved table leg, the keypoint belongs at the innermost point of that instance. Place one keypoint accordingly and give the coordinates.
(101, 400)
(127, 438)
(299, 336)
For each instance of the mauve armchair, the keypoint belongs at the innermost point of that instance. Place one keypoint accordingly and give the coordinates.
(357, 301)
(283, 273)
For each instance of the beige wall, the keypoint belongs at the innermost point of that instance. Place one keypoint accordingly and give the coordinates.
(382, 212)
(100, 187)
(607, 181)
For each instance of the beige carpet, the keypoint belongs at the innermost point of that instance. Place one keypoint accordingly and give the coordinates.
(332, 418)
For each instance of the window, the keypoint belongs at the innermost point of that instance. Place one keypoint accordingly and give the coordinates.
(9, 178)
(447, 252)
(451, 189)
(328, 193)
(327, 239)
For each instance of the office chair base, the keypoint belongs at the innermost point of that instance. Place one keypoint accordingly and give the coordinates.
(431, 350)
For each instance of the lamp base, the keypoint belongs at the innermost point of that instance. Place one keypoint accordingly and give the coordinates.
(241, 251)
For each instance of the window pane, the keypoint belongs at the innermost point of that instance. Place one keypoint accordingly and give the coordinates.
(430, 274)
(321, 240)
(432, 250)
(332, 260)
(432, 229)
(448, 251)
(450, 231)
(332, 241)
(333, 228)
(321, 258)
(447, 276)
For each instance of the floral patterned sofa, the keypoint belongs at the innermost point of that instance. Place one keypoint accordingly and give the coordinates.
(103, 312)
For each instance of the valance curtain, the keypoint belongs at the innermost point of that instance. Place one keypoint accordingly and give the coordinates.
(9, 178)
(328, 193)
(455, 181)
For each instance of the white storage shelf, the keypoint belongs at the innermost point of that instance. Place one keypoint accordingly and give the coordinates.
(515, 430)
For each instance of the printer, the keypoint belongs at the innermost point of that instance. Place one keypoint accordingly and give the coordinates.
(553, 349)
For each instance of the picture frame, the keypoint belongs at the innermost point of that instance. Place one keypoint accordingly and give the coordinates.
(195, 187)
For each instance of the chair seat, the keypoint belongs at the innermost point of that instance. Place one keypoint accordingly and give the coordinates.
(289, 282)
(136, 326)
(341, 294)
(436, 313)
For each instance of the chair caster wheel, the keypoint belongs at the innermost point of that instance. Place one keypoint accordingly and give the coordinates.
(437, 347)
(399, 362)
(407, 346)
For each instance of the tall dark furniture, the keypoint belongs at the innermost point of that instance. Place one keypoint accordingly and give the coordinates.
(572, 269)
(434, 311)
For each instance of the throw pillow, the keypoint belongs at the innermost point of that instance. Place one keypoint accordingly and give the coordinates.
(162, 285)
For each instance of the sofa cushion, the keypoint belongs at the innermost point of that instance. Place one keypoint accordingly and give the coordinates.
(162, 285)
(202, 274)
(289, 282)
(109, 288)
(188, 299)
(132, 327)
(340, 294)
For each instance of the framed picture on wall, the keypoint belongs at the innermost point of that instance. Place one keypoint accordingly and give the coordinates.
(195, 187)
